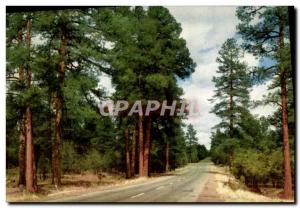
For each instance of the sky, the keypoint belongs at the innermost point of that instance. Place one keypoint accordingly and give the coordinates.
(205, 29)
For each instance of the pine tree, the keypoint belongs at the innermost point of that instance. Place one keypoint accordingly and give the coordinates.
(127, 154)
(191, 141)
(148, 54)
(22, 137)
(23, 91)
(267, 39)
(77, 62)
(134, 148)
(232, 89)
(31, 185)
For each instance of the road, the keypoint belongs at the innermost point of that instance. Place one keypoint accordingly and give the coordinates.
(180, 186)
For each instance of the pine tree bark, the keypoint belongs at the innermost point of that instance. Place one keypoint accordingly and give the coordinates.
(149, 160)
(231, 116)
(167, 168)
(56, 157)
(147, 147)
(30, 187)
(285, 130)
(127, 153)
(22, 132)
(255, 186)
(190, 150)
(59, 103)
(231, 101)
(30, 166)
(141, 147)
(22, 150)
(52, 127)
(133, 151)
(230, 158)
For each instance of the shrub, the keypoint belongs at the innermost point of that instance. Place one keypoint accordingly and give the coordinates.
(70, 158)
(258, 167)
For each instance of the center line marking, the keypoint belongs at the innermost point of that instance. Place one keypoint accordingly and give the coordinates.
(137, 195)
(159, 187)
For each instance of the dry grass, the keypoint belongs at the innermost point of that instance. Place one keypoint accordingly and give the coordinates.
(231, 190)
(72, 185)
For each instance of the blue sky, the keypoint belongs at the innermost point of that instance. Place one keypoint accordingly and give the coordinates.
(205, 29)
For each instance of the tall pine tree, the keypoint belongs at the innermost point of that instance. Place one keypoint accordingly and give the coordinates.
(266, 34)
(232, 89)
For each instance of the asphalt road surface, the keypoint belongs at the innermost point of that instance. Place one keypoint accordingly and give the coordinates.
(180, 186)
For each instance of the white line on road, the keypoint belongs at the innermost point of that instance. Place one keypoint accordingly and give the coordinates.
(160, 187)
(137, 195)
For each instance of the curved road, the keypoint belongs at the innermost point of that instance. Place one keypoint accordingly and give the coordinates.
(180, 186)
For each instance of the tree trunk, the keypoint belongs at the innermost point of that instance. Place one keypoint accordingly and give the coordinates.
(190, 149)
(231, 105)
(22, 150)
(30, 184)
(30, 167)
(255, 186)
(285, 131)
(34, 168)
(167, 157)
(147, 147)
(57, 142)
(52, 128)
(231, 117)
(133, 151)
(141, 146)
(22, 133)
(149, 160)
(127, 153)
(230, 152)
(59, 103)
(230, 158)
(286, 151)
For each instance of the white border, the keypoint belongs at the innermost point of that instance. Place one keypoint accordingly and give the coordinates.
(4, 3)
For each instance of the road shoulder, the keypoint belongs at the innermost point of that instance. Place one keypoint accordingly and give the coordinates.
(219, 188)
(209, 192)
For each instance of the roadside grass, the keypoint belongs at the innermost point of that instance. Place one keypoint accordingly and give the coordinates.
(72, 184)
(232, 190)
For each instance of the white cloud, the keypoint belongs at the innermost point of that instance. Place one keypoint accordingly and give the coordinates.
(105, 82)
(204, 28)
(250, 60)
(257, 94)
